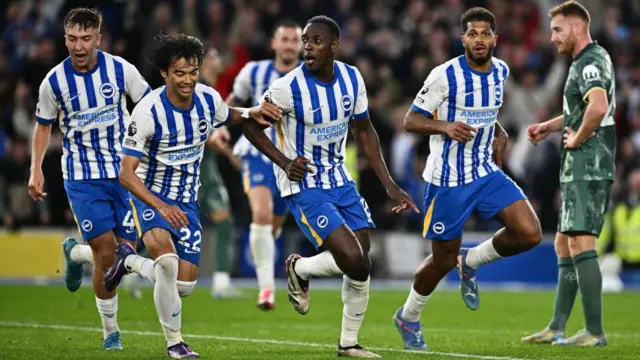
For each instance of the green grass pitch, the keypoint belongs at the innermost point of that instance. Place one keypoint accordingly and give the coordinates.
(48, 322)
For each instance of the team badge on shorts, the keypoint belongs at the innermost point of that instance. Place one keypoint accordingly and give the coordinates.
(148, 214)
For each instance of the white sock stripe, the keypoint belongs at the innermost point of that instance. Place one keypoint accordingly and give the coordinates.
(321, 265)
(108, 310)
(261, 228)
(355, 296)
(481, 254)
(263, 252)
(413, 306)
(163, 256)
(82, 254)
(166, 297)
(185, 287)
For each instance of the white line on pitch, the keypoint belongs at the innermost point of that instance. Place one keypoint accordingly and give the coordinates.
(247, 340)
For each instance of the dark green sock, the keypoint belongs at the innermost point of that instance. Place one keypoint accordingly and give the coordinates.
(566, 291)
(221, 237)
(590, 283)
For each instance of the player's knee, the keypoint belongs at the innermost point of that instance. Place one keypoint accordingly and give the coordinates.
(531, 233)
(573, 245)
(103, 256)
(262, 217)
(355, 264)
(167, 266)
(445, 263)
(185, 287)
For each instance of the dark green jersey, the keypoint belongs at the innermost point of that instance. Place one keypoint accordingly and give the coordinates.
(591, 70)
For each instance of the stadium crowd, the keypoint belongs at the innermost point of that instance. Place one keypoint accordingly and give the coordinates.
(394, 44)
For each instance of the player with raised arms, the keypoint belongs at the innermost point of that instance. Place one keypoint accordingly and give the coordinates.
(458, 107)
(162, 152)
(586, 174)
(321, 101)
(268, 208)
(86, 92)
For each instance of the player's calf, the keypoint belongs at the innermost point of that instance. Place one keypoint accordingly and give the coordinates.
(521, 231)
(443, 259)
(351, 253)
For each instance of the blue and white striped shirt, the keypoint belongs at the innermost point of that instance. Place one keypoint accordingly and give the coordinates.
(455, 92)
(93, 111)
(250, 84)
(316, 122)
(170, 141)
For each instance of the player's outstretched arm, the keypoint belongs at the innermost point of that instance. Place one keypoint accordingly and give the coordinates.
(538, 132)
(421, 123)
(264, 114)
(294, 168)
(368, 141)
(41, 137)
(128, 178)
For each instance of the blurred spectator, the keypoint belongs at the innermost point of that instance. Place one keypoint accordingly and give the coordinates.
(16, 206)
(620, 234)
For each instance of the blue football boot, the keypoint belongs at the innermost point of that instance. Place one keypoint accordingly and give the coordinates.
(468, 283)
(411, 332)
(113, 342)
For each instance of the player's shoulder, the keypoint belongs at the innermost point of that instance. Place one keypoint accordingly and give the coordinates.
(349, 69)
(284, 82)
(441, 70)
(439, 73)
(115, 58)
(255, 65)
(501, 65)
(52, 75)
(202, 89)
(593, 54)
(152, 99)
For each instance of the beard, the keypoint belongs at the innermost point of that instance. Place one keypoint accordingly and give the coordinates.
(480, 60)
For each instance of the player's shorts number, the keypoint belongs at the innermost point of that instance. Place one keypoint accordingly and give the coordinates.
(191, 248)
(365, 206)
(128, 221)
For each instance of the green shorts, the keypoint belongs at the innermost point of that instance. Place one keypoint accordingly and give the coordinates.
(584, 205)
(212, 195)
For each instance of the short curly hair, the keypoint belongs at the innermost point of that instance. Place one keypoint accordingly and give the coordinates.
(170, 48)
(477, 14)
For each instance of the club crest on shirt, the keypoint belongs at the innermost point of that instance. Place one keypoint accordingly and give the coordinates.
(107, 90)
(346, 102)
(203, 126)
(497, 92)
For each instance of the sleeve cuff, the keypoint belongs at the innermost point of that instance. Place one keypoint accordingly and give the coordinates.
(44, 121)
(585, 98)
(361, 115)
(226, 122)
(421, 111)
(131, 152)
